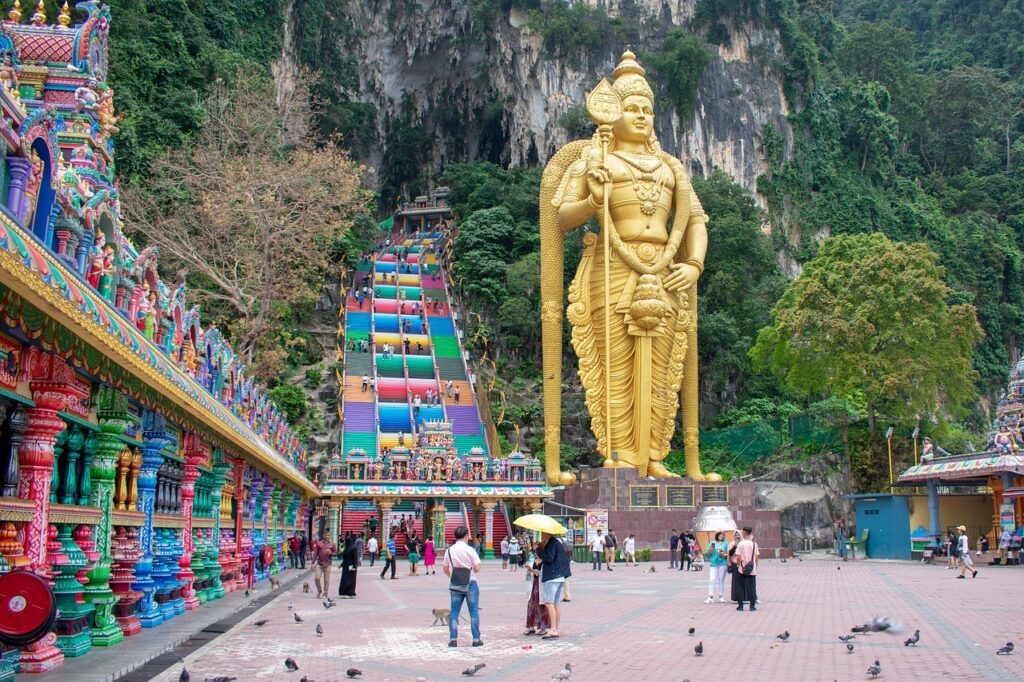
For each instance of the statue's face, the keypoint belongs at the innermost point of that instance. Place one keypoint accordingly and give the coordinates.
(637, 121)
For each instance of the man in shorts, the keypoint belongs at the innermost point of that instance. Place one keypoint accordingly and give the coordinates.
(964, 545)
(322, 558)
(554, 571)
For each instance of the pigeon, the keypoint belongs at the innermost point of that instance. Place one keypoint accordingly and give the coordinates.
(875, 670)
(184, 676)
(328, 604)
(289, 606)
(261, 623)
(247, 593)
(699, 649)
(876, 624)
(290, 664)
(914, 639)
(691, 631)
(319, 630)
(563, 674)
(783, 559)
(846, 638)
(298, 618)
(469, 672)
(849, 647)
(353, 672)
(784, 636)
(220, 678)
(306, 679)
(1008, 649)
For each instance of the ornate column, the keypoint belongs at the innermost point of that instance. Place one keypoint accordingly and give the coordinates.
(114, 418)
(334, 506)
(489, 506)
(155, 438)
(51, 382)
(17, 420)
(220, 470)
(238, 466)
(193, 457)
(73, 451)
(18, 168)
(536, 506)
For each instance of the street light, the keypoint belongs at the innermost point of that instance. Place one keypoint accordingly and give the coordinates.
(914, 435)
(888, 443)
(615, 479)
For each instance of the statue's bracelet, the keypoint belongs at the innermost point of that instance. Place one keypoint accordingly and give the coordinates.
(593, 204)
(695, 263)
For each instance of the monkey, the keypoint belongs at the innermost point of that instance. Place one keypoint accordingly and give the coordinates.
(305, 588)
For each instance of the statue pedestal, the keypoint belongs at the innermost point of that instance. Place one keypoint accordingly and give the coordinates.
(650, 508)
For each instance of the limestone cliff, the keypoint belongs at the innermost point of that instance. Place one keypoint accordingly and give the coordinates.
(496, 92)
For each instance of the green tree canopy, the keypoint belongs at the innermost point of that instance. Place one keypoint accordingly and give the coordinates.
(870, 316)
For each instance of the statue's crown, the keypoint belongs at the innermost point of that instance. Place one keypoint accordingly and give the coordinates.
(629, 78)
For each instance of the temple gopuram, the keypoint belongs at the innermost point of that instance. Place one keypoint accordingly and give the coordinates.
(418, 446)
(143, 473)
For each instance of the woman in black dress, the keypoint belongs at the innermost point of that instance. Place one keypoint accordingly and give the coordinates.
(737, 577)
(349, 562)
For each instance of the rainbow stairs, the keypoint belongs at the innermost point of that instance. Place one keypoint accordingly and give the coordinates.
(426, 353)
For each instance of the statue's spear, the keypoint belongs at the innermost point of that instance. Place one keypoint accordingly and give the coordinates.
(605, 108)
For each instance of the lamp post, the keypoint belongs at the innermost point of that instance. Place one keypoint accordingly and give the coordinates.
(914, 435)
(615, 479)
(888, 443)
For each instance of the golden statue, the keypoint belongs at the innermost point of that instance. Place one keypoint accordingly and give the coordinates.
(645, 294)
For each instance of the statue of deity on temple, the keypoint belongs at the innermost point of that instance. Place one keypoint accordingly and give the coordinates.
(633, 301)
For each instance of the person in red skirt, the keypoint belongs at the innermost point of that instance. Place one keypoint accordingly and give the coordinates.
(537, 621)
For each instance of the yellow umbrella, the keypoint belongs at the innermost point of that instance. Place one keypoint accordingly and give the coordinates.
(545, 524)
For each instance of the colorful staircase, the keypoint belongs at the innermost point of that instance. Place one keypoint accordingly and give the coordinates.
(425, 353)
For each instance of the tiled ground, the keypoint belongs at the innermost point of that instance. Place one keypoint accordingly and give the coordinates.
(631, 625)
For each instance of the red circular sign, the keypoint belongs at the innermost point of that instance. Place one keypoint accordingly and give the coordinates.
(27, 607)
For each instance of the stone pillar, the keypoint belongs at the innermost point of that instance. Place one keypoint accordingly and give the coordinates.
(75, 614)
(334, 506)
(114, 418)
(220, 470)
(193, 457)
(934, 527)
(536, 506)
(17, 424)
(386, 505)
(489, 506)
(155, 438)
(19, 168)
(51, 382)
(240, 502)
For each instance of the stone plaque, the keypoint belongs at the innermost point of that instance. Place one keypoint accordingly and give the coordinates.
(679, 496)
(714, 494)
(643, 496)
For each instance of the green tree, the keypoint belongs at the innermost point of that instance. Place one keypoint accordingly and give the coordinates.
(869, 316)
(677, 64)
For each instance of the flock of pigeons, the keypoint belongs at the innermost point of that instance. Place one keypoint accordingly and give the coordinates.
(876, 624)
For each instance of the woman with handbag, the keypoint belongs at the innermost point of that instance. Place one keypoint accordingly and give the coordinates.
(746, 564)
(718, 558)
(537, 620)
(736, 584)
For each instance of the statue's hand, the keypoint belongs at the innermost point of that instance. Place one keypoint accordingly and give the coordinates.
(597, 175)
(682, 277)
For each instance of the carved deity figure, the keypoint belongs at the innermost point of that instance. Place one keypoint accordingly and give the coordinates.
(633, 301)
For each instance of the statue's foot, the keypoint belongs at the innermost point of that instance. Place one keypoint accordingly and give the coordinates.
(562, 478)
(621, 464)
(658, 470)
(705, 478)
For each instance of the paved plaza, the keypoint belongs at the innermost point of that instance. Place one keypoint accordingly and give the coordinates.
(632, 625)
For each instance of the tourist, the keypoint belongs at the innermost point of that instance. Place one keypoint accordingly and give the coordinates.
(673, 549)
(411, 547)
(349, 566)
(360, 546)
(684, 552)
(736, 586)
(448, 388)
(457, 394)
(461, 565)
(537, 619)
(629, 550)
(389, 558)
(393, 525)
(964, 550)
(293, 551)
(513, 554)
(555, 570)
(597, 549)
(366, 382)
(718, 558)
(950, 545)
(504, 553)
(1004, 545)
(323, 556)
(611, 543)
(371, 548)
(303, 547)
(747, 553)
(429, 558)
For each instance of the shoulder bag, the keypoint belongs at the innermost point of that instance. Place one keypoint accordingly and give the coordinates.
(748, 567)
(459, 581)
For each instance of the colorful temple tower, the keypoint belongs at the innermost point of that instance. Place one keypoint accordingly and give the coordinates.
(140, 468)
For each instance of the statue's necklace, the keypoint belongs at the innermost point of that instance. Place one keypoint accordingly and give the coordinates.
(648, 188)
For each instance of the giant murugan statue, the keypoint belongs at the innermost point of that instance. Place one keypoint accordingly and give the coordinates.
(633, 301)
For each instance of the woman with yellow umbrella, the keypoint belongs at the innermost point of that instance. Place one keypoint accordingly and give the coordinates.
(555, 567)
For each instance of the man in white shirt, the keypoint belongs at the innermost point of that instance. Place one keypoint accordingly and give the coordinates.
(964, 546)
(461, 555)
(371, 547)
(597, 548)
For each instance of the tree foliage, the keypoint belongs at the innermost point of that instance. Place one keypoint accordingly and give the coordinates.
(252, 209)
(677, 65)
(870, 316)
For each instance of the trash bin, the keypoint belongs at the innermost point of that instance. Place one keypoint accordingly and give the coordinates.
(581, 554)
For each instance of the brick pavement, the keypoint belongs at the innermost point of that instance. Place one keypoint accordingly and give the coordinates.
(631, 625)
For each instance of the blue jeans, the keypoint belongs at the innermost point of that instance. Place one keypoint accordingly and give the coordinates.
(473, 599)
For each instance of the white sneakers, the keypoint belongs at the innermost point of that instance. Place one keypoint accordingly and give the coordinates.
(721, 600)
(709, 600)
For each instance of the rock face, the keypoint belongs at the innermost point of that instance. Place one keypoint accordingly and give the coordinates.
(495, 92)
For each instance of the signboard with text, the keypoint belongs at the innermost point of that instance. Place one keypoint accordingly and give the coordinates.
(644, 496)
(597, 520)
(679, 496)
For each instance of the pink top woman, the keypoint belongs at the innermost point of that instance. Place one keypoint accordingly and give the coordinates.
(428, 555)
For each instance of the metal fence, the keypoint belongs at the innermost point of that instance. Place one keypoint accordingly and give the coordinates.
(750, 442)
